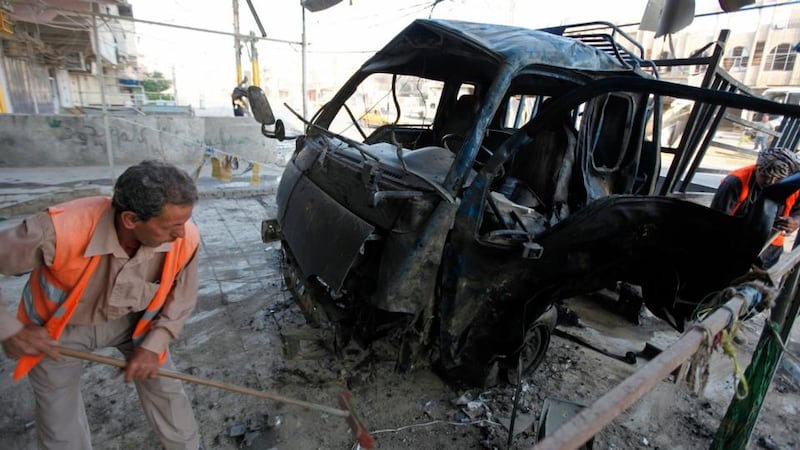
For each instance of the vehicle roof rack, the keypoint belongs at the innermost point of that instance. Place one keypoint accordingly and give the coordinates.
(608, 38)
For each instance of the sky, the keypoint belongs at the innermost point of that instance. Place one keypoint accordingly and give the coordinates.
(339, 38)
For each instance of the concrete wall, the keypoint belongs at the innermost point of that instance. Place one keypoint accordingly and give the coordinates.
(80, 140)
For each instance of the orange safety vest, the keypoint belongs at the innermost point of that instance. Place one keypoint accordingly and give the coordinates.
(52, 292)
(745, 174)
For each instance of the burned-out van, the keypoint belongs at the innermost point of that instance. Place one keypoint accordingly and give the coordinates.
(513, 168)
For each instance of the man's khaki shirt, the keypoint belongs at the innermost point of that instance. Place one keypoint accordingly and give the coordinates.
(120, 285)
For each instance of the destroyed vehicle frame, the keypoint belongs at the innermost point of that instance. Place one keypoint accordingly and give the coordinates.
(538, 177)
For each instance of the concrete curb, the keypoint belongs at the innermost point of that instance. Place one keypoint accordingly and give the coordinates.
(237, 193)
(40, 202)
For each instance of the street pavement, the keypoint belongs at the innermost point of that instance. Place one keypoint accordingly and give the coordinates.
(234, 336)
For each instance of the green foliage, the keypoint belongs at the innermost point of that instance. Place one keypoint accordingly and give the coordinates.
(154, 83)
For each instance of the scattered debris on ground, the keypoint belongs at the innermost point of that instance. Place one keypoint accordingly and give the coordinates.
(238, 335)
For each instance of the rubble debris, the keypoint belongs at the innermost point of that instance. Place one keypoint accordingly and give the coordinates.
(236, 430)
(247, 431)
(463, 399)
(523, 422)
(556, 412)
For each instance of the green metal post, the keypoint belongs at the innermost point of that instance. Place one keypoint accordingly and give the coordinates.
(737, 426)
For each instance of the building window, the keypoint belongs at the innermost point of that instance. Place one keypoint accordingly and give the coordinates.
(737, 59)
(781, 58)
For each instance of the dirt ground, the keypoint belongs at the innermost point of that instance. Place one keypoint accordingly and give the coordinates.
(245, 319)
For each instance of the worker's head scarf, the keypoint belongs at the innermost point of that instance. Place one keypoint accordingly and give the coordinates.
(777, 162)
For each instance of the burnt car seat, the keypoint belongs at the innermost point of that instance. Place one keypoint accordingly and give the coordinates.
(546, 165)
(459, 120)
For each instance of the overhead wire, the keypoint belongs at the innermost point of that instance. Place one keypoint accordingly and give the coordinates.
(152, 22)
(367, 21)
(717, 13)
(78, 27)
(369, 16)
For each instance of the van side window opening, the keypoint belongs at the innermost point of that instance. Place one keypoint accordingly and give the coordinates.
(611, 124)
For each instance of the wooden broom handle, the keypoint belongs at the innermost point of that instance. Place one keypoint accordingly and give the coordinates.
(206, 382)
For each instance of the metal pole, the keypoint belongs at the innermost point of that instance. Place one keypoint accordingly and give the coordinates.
(593, 418)
(740, 419)
(255, 16)
(254, 61)
(174, 86)
(101, 80)
(304, 45)
(237, 43)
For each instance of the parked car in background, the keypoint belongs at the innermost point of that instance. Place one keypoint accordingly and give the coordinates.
(537, 178)
(782, 94)
(373, 119)
(785, 94)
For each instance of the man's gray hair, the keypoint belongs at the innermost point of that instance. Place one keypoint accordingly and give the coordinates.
(777, 162)
(146, 187)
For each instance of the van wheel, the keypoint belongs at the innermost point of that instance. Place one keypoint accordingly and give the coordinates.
(534, 347)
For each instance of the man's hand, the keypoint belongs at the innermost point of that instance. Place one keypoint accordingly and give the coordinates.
(142, 365)
(31, 340)
(787, 224)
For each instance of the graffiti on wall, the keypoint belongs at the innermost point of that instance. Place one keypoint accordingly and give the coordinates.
(125, 138)
(51, 140)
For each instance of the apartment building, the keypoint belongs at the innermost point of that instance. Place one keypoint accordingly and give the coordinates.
(49, 53)
(760, 52)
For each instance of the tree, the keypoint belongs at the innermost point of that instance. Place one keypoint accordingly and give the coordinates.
(154, 83)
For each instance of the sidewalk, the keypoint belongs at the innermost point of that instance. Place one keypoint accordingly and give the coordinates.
(25, 190)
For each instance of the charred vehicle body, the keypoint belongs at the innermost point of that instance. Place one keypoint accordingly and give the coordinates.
(512, 168)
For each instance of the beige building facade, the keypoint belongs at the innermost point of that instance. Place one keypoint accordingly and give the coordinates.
(761, 50)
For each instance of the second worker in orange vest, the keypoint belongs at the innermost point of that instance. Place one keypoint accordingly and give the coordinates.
(740, 189)
(106, 272)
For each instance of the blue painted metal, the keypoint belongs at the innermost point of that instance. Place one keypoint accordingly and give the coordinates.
(129, 82)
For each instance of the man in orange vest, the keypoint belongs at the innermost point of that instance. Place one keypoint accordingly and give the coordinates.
(106, 272)
(742, 187)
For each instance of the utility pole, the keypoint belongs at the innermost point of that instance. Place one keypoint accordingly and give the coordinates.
(101, 80)
(254, 60)
(174, 86)
(304, 86)
(237, 43)
(313, 6)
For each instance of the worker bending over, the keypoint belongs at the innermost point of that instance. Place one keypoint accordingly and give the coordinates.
(106, 272)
